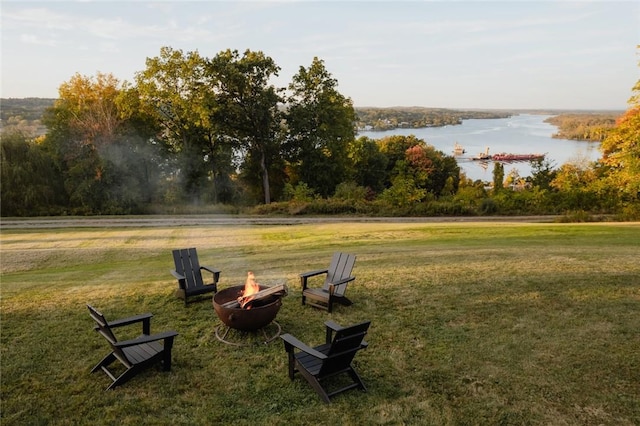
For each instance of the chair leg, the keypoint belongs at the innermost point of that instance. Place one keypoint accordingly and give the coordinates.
(105, 361)
(356, 378)
(344, 301)
(292, 365)
(129, 373)
(315, 384)
(166, 360)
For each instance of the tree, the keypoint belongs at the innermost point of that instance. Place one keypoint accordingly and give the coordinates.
(105, 158)
(542, 173)
(321, 124)
(368, 164)
(404, 190)
(141, 151)
(575, 183)
(498, 177)
(177, 90)
(419, 162)
(395, 149)
(440, 173)
(247, 110)
(82, 121)
(621, 151)
(30, 181)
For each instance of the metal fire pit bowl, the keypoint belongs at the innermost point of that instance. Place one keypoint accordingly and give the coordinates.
(261, 314)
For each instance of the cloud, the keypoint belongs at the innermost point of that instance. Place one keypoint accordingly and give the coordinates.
(34, 39)
(69, 25)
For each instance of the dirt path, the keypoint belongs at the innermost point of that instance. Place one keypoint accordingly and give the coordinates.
(206, 220)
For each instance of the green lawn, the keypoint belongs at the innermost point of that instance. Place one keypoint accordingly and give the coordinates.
(472, 323)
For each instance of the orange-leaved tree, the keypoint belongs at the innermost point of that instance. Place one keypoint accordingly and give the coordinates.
(621, 152)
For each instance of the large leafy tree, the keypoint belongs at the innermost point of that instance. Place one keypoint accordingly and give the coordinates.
(438, 173)
(247, 111)
(176, 90)
(395, 149)
(621, 151)
(417, 169)
(321, 124)
(87, 135)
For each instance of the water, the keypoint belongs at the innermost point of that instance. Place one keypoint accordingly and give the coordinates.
(519, 134)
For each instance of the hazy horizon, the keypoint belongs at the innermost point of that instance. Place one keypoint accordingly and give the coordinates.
(621, 110)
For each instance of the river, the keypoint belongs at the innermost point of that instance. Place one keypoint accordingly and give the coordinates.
(519, 134)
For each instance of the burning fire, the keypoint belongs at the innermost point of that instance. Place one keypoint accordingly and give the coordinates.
(251, 287)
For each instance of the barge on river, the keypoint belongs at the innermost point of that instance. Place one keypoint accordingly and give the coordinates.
(505, 157)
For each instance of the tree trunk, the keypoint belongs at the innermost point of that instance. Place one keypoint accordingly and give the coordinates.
(213, 171)
(265, 179)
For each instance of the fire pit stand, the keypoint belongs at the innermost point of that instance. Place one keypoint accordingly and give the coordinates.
(243, 327)
(234, 337)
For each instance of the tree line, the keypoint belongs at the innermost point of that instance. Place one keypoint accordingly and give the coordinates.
(417, 117)
(191, 132)
(583, 127)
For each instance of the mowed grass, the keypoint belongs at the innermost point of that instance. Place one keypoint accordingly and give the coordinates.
(472, 324)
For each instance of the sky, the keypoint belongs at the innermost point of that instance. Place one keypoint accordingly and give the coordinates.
(442, 54)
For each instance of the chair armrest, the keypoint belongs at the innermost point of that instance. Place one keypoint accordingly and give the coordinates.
(212, 270)
(343, 281)
(130, 320)
(332, 286)
(331, 326)
(314, 273)
(305, 275)
(290, 342)
(177, 275)
(146, 339)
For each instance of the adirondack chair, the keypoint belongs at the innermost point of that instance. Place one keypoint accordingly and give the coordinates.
(328, 360)
(337, 276)
(188, 272)
(135, 354)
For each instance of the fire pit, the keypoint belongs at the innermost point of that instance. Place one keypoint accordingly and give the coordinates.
(241, 313)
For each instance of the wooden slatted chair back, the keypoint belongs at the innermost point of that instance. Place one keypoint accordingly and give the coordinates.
(340, 268)
(344, 346)
(187, 264)
(102, 326)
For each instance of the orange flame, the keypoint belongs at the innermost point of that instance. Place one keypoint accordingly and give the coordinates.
(251, 287)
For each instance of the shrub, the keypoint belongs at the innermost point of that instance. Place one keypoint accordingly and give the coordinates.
(350, 191)
(576, 216)
(488, 206)
(300, 193)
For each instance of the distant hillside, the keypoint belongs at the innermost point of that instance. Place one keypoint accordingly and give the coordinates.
(27, 108)
(23, 115)
(371, 118)
(417, 117)
(584, 126)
